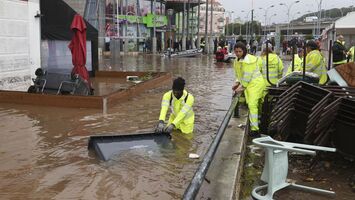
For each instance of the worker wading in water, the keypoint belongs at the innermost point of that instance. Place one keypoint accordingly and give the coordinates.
(250, 81)
(182, 116)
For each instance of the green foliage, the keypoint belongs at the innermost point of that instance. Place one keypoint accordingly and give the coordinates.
(237, 27)
(331, 13)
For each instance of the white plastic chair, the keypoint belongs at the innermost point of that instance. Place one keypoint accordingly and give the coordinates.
(276, 166)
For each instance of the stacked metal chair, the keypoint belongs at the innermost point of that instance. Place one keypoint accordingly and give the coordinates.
(336, 126)
(297, 111)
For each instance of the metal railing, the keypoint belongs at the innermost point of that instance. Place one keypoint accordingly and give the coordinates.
(196, 182)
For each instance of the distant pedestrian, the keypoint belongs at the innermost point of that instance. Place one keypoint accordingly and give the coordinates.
(339, 51)
(107, 43)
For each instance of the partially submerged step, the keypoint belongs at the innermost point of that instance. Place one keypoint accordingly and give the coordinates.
(106, 146)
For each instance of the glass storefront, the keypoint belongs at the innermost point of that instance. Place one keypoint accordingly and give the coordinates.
(135, 21)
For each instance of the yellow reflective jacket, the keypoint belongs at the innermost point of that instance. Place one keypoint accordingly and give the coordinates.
(275, 68)
(315, 63)
(298, 65)
(351, 52)
(182, 114)
(248, 74)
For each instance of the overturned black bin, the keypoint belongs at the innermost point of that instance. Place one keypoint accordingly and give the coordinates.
(106, 146)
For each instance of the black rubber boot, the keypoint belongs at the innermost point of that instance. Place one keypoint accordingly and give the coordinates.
(254, 134)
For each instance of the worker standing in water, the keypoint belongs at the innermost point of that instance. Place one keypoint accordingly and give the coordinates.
(250, 82)
(182, 116)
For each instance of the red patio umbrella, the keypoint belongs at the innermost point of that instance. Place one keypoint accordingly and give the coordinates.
(77, 47)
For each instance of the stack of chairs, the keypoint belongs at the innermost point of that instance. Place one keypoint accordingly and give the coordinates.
(336, 126)
(297, 111)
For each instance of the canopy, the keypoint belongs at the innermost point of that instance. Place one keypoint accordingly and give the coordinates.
(56, 19)
(345, 25)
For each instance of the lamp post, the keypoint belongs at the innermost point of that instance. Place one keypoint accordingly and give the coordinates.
(232, 22)
(265, 15)
(154, 41)
(319, 3)
(229, 15)
(198, 25)
(246, 20)
(293, 16)
(211, 28)
(288, 13)
(341, 11)
(270, 18)
(227, 22)
(206, 30)
(170, 13)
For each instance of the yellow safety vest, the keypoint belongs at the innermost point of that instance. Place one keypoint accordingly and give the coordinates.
(315, 63)
(275, 68)
(298, 65)
(182, 114)
(352, 52)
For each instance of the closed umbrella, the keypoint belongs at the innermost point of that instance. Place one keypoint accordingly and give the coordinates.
(77, 47)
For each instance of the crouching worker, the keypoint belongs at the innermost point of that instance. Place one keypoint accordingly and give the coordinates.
(250, 82)
(182, 116)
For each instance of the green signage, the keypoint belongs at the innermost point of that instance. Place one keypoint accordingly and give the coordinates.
(131, 18)
(160, 20)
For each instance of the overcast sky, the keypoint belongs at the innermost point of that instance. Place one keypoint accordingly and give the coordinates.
(303, 7)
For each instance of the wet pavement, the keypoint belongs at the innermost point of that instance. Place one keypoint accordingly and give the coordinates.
(44, 153)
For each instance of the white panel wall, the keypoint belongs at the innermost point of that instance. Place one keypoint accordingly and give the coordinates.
(17, 52)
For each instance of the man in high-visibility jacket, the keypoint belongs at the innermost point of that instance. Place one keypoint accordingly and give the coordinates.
(275, 65)
(182, 116)
(250, 81)
(315, 62)
(339, 51)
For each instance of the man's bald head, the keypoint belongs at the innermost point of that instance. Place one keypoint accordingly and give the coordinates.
(340, 37)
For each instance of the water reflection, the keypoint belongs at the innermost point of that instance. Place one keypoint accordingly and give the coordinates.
(44, 153)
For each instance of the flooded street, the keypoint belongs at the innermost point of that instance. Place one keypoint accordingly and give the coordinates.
(43, 151)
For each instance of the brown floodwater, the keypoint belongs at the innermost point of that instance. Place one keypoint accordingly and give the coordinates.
(43, 150)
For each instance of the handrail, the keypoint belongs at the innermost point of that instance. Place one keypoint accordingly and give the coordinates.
(304, 61)
(330, 54)
(196, 182)
(293, 57)
(267, 64)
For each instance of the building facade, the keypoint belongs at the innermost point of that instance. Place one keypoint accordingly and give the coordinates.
(218, 18)
(135, 22)
(20, 43)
